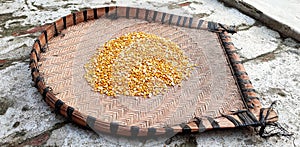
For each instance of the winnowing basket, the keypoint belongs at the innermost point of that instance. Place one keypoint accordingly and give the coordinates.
(218, 94)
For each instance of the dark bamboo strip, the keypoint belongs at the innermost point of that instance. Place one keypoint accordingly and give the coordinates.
(196, 125)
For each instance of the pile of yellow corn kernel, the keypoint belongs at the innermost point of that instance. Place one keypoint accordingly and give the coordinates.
(137, 64)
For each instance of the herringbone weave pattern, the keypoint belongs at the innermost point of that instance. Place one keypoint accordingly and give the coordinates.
(210, 90)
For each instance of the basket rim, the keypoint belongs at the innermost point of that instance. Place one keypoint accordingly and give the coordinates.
(253, 115)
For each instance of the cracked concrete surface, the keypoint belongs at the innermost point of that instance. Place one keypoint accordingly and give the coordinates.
(22, 119)
(269, 38)
(271, 62)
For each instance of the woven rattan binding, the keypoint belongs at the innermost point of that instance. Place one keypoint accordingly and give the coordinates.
(253, 115)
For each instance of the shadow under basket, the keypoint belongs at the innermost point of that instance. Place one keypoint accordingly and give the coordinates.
(218, 94)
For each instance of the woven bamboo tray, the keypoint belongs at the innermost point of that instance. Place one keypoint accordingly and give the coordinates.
(218, 94)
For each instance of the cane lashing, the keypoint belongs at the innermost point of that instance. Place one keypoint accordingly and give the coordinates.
(217, 91)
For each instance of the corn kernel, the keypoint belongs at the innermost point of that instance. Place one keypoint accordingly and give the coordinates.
(137, 64)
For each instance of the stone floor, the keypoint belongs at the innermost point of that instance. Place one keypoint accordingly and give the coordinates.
(271, 61)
